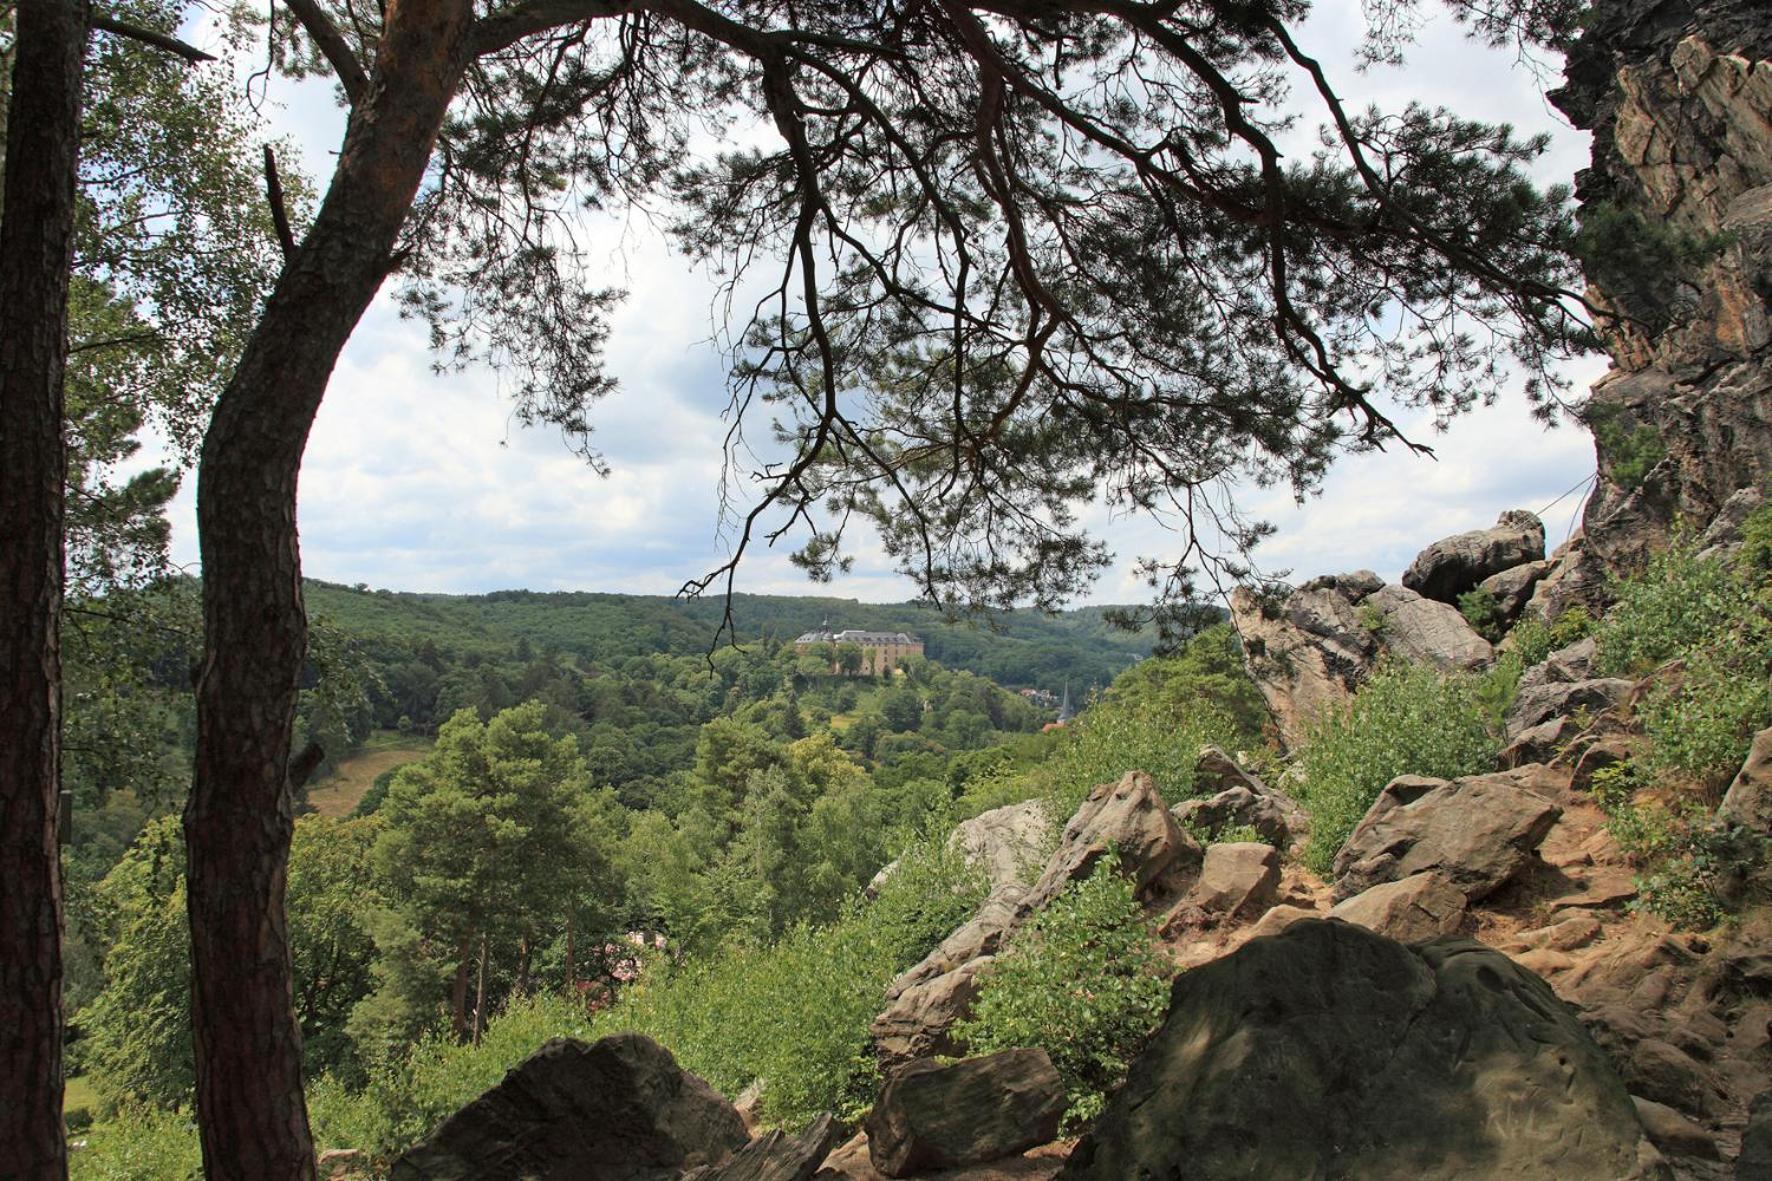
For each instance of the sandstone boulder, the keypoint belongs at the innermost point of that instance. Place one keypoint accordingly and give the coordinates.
(930, 1116)
(1513, 588)
(1477, 832)
(777, 1156)
(981, 935)
(918, 1021)
(1009, 843)
(1537, 744)
(1723, 535)
(1233, 798)
(1573, 662)
(1453, 565)
(1540, 703)
(1415, 909)
(1374, 1061)
(1131, 817)
(1419, 630)
(1238, 879)
(620, 1109)
(1672, 1132)
(1749, 799)
(1309, 651)
(1577, 578)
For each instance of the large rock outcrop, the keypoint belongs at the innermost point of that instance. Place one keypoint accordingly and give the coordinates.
(618, 1110)
(1476, 833)
(1678, 94)
(1309, 651)
(931, 1116)
(1453, 565)
(1330, 1052)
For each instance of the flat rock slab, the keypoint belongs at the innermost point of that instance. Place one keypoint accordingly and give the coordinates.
(1415, 909)
(850, 1163)
(1540, 703)
(618, 1110)
(1476, 832)
(930, 1116)
(776, 1156)
(1331, 1053)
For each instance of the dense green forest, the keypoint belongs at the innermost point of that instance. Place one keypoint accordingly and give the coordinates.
(1016, 649)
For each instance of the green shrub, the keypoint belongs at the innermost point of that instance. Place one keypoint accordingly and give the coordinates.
(138, 1144)
(1714, 616)
(796, 1015)
(1701, 723)
(1406, 720)
(1155, 718)
(1083, 981)
(1631, 452)
(1482, 610)
(1688, 863)
(1676, 606)
(1534, 639)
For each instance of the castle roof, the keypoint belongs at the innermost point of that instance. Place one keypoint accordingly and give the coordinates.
(857, 636)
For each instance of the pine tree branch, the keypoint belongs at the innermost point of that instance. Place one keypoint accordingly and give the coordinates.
(279, 213)
(172, 45)
(332, 45)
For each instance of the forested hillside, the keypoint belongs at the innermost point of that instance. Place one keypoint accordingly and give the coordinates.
(1016, 649)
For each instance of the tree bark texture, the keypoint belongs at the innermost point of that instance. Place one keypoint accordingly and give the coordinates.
(36, 254)
(239, 819)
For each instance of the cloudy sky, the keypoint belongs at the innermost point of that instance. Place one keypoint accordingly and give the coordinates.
(415, 481)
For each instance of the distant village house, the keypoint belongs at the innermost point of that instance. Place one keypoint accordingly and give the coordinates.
(880, 651)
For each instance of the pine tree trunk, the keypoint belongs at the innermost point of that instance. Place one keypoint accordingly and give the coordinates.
(239, 818)
(458, 995)
(480, 993)
(36, 255)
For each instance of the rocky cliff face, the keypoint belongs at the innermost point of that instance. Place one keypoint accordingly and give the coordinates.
(1678, 203)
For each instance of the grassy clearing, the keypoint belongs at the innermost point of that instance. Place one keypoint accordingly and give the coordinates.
(77, 1093)
(384, 750)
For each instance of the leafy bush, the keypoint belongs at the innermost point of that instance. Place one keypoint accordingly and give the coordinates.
(1688, 862)
(1083, 981)
(1534, 639)
(1701, 722)
(1405, 720)
(1715, 616)
(1674, 607)
(796, 1015)
(1482, 610)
